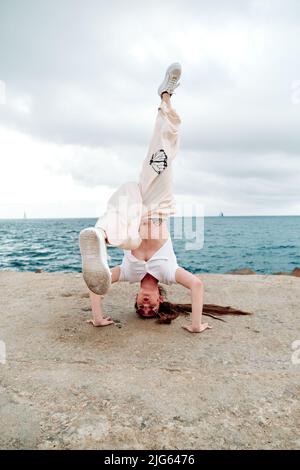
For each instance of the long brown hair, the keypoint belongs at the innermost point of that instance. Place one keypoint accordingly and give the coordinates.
(168, 311)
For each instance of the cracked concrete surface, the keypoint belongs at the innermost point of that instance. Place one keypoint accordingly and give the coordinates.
(141, 385)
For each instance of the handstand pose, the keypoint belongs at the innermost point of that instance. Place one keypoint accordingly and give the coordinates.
(136, 221)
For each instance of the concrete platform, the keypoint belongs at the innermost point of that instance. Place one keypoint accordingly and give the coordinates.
(140, 385)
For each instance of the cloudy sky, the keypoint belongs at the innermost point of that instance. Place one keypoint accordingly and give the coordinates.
(78, 100)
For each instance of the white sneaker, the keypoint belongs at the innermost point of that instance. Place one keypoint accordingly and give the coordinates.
(95, 268)
(170, 81)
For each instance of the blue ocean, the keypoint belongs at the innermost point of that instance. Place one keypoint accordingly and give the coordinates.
(265, 244)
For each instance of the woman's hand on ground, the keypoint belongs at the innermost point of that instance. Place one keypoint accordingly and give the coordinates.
(191, 329)
(101, 321)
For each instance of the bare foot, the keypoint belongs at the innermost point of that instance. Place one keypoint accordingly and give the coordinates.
(101, 321)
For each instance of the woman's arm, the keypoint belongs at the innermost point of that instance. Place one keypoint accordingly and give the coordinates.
(115, 274)
(96, 302)
(195, 284)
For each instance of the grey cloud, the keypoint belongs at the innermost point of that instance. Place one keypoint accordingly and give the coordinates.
(242, 179)
(109, 166)
(76, 63)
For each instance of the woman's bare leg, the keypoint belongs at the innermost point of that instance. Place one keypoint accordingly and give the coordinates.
(166, 97)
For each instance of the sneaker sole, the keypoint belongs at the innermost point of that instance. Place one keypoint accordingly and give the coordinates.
(174, 66)
(95, 269)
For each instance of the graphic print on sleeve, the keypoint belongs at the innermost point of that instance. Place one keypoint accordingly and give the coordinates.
(158, 161)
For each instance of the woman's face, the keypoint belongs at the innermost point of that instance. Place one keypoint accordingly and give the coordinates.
(148, 300)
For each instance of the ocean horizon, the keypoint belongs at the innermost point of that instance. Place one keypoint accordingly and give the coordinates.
(176, 216)
(262, 243)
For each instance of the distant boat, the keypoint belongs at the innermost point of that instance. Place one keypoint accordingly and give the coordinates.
(25, 216)
(221, 214)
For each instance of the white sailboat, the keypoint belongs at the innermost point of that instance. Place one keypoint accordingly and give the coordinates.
(25, 216)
